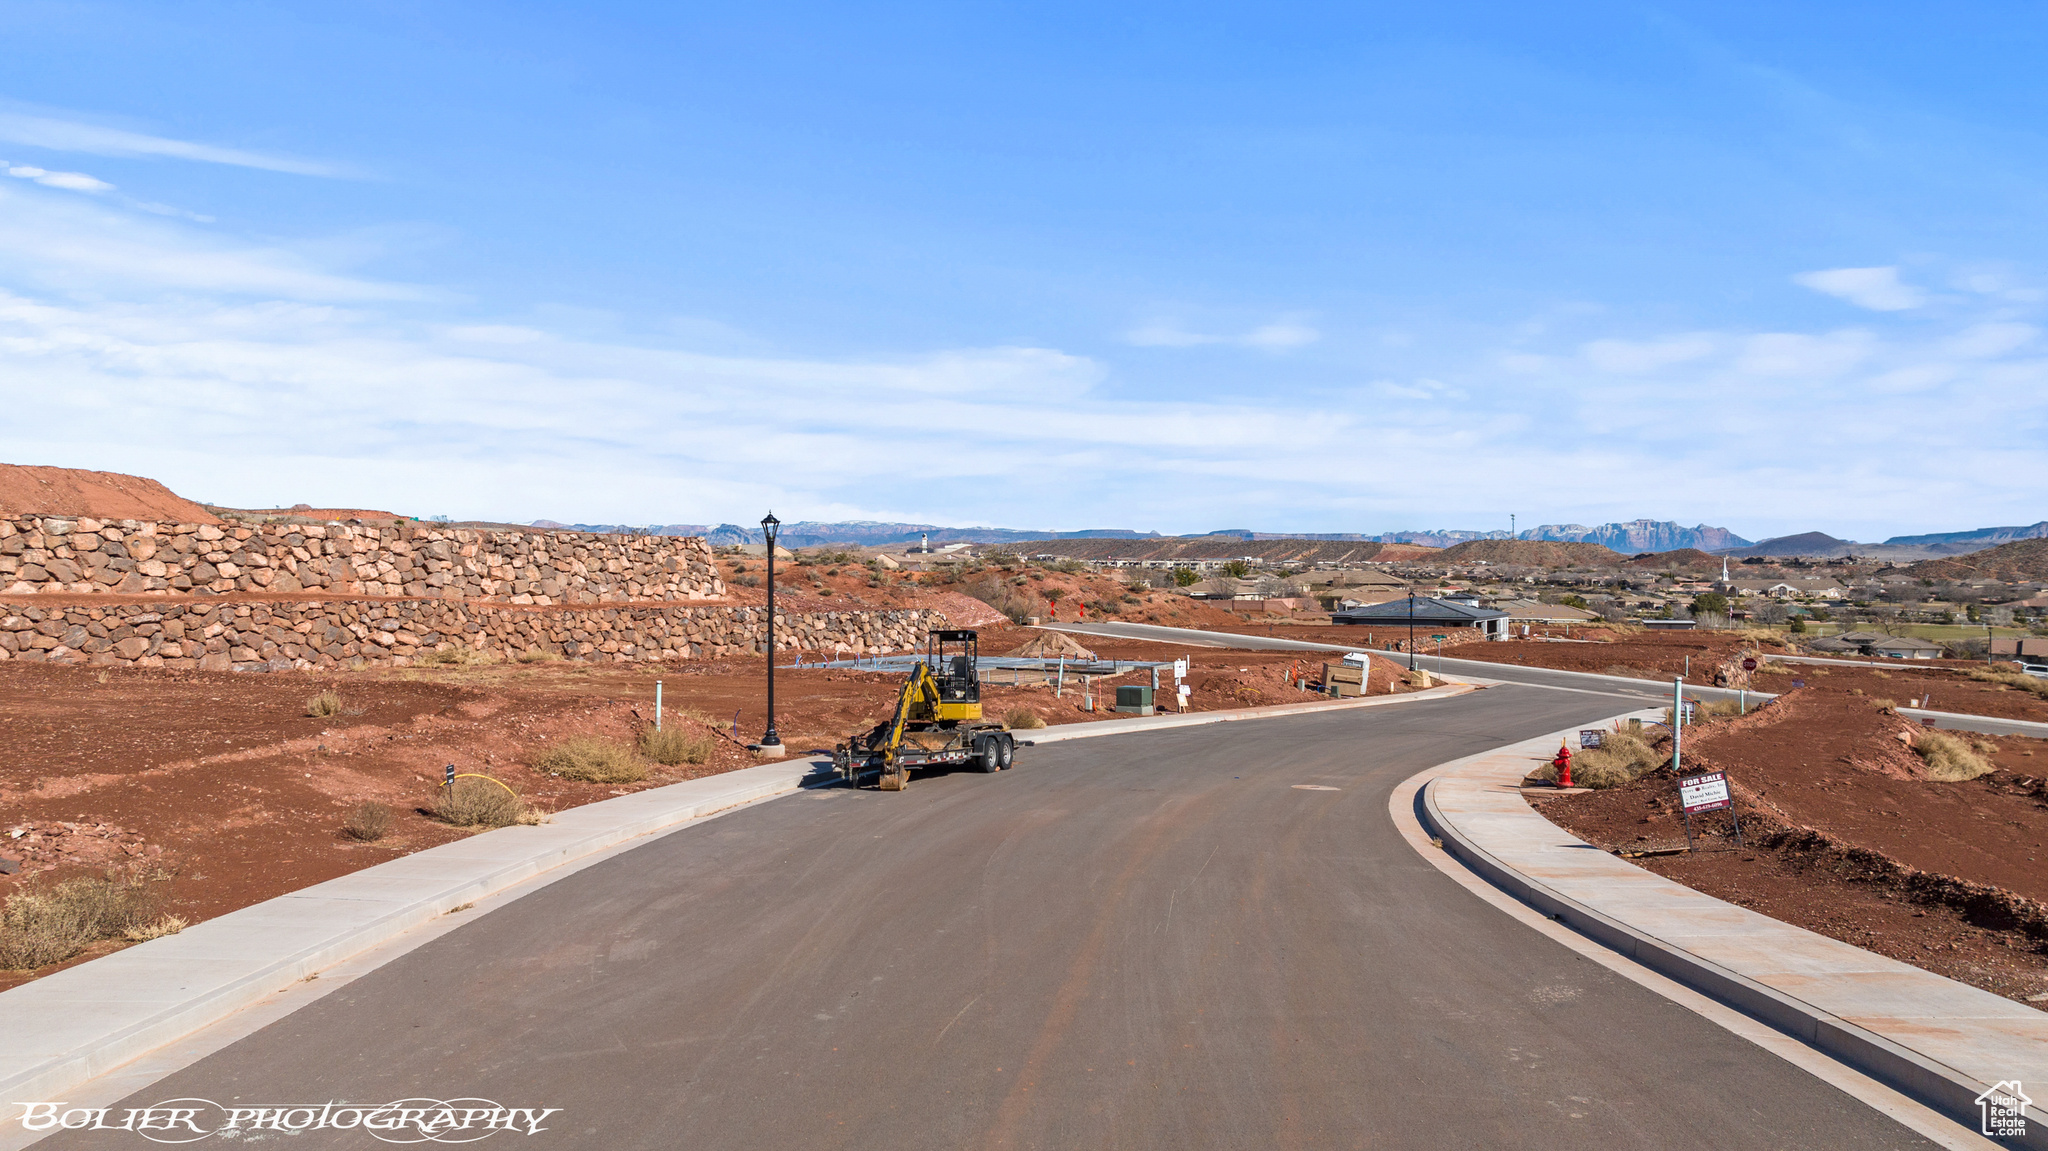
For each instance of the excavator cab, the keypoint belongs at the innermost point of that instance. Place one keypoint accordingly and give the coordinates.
(952, 658)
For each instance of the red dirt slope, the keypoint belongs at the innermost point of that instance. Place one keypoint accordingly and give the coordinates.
(101, 495)
(1847, 836)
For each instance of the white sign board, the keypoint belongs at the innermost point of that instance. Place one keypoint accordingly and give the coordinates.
(1707, 792)
(1185, 691)
(1180, 669)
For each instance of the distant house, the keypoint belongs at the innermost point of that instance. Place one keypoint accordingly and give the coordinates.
(1358, 597)
(1427, 613)
(1783, 588)
(1834, 645)
(1530, 611)
(1224, 589)
(1905, 647)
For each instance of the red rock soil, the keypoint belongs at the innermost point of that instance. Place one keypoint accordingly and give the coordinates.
(1846, 836)
(104, 495)
(221, 784)
(1942, 685)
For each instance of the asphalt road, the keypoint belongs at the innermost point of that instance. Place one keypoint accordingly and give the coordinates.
(1147, 941)
(1649, 691)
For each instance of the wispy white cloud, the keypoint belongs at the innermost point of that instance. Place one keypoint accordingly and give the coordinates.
(1878, 289)
(1803, 356)
(1280, 335)
(1630, 356)
(79, 244)
(1983, 341)
(70, 181)
(68, 135)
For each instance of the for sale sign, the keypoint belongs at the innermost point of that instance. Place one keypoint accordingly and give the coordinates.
(1707, 792)
(1591, 738)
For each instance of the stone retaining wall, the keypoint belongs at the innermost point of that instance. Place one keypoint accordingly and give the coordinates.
(418, 560)
(395, 633)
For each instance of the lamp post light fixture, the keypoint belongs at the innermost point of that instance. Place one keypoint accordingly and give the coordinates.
(1411, 630)
(771, 743)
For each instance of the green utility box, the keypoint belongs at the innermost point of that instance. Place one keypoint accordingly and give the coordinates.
(1135, 699)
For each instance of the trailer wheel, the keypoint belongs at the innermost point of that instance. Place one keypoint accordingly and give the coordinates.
(1009, 749)
(991, 755)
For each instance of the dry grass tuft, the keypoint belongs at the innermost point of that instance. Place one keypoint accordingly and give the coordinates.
(593, 759)
(323, 705)
(480, 803)
(455, 655)
(1950, 759)
(539, 655)
(40, 926)
(1622, 757)
(369, 822)
(168, 925)
(1023, 719)
(2014, 679)
(676, 745)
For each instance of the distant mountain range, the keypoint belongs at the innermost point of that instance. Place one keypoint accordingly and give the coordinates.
(1627, 538)
(1973, 541)
(1632, 537)
(1922, 547)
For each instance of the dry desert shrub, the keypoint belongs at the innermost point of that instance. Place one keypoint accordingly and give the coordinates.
(593, 759)
(455, 655)
(676, 745)
(480, 803)
(40, 926)
(1622, 757)
(1005, 597)
(1950, 759)
(323, 705)
(369, 822)
(1023, 719)
(539, 655)
(2010, 679)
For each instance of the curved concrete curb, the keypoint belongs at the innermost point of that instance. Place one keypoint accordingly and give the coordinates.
(1273, 711)
(1933, 1039)
(78, 1024)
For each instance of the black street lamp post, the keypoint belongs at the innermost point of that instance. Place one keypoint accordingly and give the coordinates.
(770, 742)
(1411, 631)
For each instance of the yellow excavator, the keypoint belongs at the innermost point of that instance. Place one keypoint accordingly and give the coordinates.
(937, 722)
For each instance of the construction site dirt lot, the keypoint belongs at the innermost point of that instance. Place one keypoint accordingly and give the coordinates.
(225, 791)
(1845, 834)
(1697, 657)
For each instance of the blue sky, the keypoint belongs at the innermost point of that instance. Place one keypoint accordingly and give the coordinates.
(1172, 267)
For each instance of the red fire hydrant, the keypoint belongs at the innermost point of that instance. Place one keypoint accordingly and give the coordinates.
(1563, 764)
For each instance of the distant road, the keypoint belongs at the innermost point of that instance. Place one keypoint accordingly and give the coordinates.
(1651, 692)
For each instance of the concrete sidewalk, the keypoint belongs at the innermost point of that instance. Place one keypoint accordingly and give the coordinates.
(1934, 1039)
(75, 1025)
(79, 1023)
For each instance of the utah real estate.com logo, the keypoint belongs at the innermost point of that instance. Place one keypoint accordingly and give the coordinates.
(2004, 1110)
